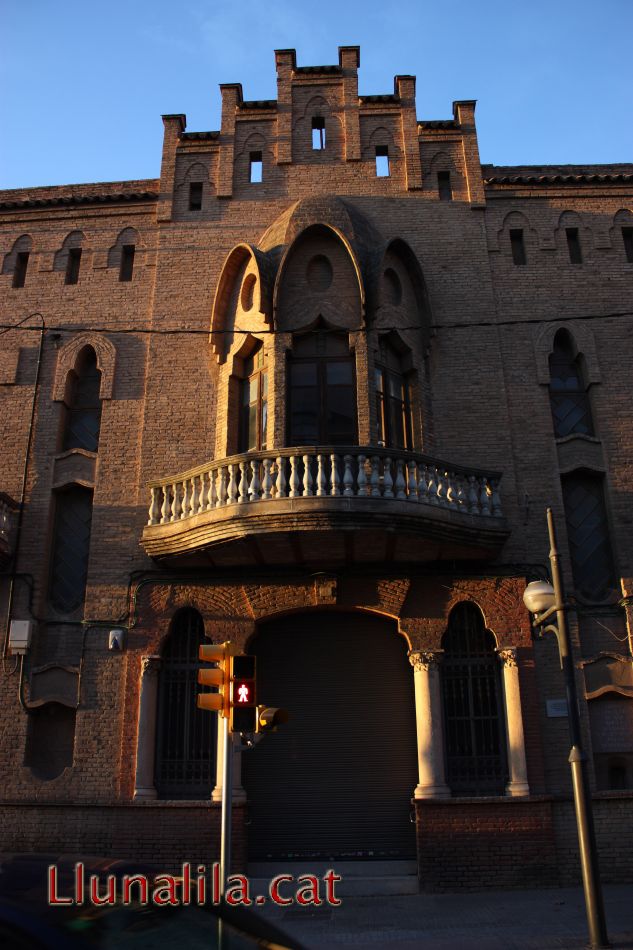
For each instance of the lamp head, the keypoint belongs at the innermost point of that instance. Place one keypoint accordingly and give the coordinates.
(538, 596)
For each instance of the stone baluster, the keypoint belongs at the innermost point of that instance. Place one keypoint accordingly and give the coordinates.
(280, 483)
(484, 497)
(334, 479)
(429, 725)
(211, 493)
(440, 481)
(387, 479)
(460, 494)
(348, 476)
(175, 506)
(432, 485)
(195, 495)
(321, 477)
(361, 478)
(374, 478)
(267, 482)
(497, 511)
(294, 477)
(232, 486)
(144, 787)
(412, 481)
(307, 477)
(255, 487)
(473, 498)
(400, 485)
(517, 766)
(423, 485)
(243, 483)
(186, 498)
(152, 517)
(221, 487)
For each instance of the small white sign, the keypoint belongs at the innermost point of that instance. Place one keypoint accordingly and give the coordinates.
(556, 708)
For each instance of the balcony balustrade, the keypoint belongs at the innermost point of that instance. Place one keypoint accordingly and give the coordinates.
(317, 488)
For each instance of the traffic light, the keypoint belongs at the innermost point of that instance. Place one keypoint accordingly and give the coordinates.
(220, 677)
(269, 717)
(243, 714)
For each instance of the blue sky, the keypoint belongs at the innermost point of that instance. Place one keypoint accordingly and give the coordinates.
(84, 84)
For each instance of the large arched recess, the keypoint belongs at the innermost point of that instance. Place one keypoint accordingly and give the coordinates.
(336, 781)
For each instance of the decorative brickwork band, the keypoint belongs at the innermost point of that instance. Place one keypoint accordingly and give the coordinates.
(517, 766)
(428, 716)
(144, 787)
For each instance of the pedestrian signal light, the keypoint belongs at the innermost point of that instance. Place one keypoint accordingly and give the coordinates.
(243, 716)
(220, 677)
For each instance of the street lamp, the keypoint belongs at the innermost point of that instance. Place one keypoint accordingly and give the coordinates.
(544, 600)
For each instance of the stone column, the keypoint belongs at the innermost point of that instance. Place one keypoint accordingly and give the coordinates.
(517, 767)
(239, 793)
(430, 732)
(144, 787)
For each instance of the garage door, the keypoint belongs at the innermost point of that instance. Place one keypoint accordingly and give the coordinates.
(337, 780)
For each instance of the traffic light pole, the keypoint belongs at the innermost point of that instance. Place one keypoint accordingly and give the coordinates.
(225, 829)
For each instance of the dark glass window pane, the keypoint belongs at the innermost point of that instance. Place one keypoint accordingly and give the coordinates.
(569, 400)
(71, 546)
(83, 413)
(303, 374)
(588, 534)
(340, 417)
(185, 735)
(471, 692)
(338, 374)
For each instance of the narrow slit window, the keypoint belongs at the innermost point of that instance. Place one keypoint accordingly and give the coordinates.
(127, 262)
(72, 265)
(444, 188)
(256, 171)
(627, 237)
(382, 161)
(318, 133)
(21, 264)
(195, 196)
(518, 246)
(573, 245)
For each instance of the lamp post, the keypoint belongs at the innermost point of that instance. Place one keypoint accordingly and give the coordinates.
(544, 600)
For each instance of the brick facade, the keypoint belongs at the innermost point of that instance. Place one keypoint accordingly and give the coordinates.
(473, 332)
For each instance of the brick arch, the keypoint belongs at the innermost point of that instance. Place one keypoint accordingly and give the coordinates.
(73, 239)
(22, 244)
(242, 259)
(304, 235)
(127, 235)
(583, 339)
(67, 361)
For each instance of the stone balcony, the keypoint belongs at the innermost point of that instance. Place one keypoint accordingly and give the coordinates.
(325, 506)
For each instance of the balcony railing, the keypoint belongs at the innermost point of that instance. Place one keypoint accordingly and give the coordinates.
(383, 475)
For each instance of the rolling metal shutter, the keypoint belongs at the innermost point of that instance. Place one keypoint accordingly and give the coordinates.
(337, 780)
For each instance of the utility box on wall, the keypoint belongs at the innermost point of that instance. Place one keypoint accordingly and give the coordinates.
(20, 633)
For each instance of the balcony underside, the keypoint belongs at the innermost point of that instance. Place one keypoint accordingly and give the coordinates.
(319, 531)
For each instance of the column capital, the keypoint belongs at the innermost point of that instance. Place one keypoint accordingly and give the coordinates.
(150, 665)
(508, 656)
(424, 659)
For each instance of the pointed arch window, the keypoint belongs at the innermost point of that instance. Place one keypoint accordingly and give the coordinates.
(393, 403)
(83, 404)
(569, 398)
(185, 735)
(473, 706)
(321, 396)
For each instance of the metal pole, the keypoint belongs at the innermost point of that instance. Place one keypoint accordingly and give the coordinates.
(225, 830)
(578, 761)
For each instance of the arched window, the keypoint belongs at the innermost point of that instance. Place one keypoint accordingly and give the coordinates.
(393, 405)
(253, 403)
(473, 706)
(568, 394)
(185, 735)
(83, 405)
(321, 392)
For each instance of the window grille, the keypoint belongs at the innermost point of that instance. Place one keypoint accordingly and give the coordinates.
(185, 735)
(71, 546)
(588, 534)
(568, 394)
(473, 707)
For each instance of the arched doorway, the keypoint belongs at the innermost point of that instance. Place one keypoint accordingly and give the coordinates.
(336, 781)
